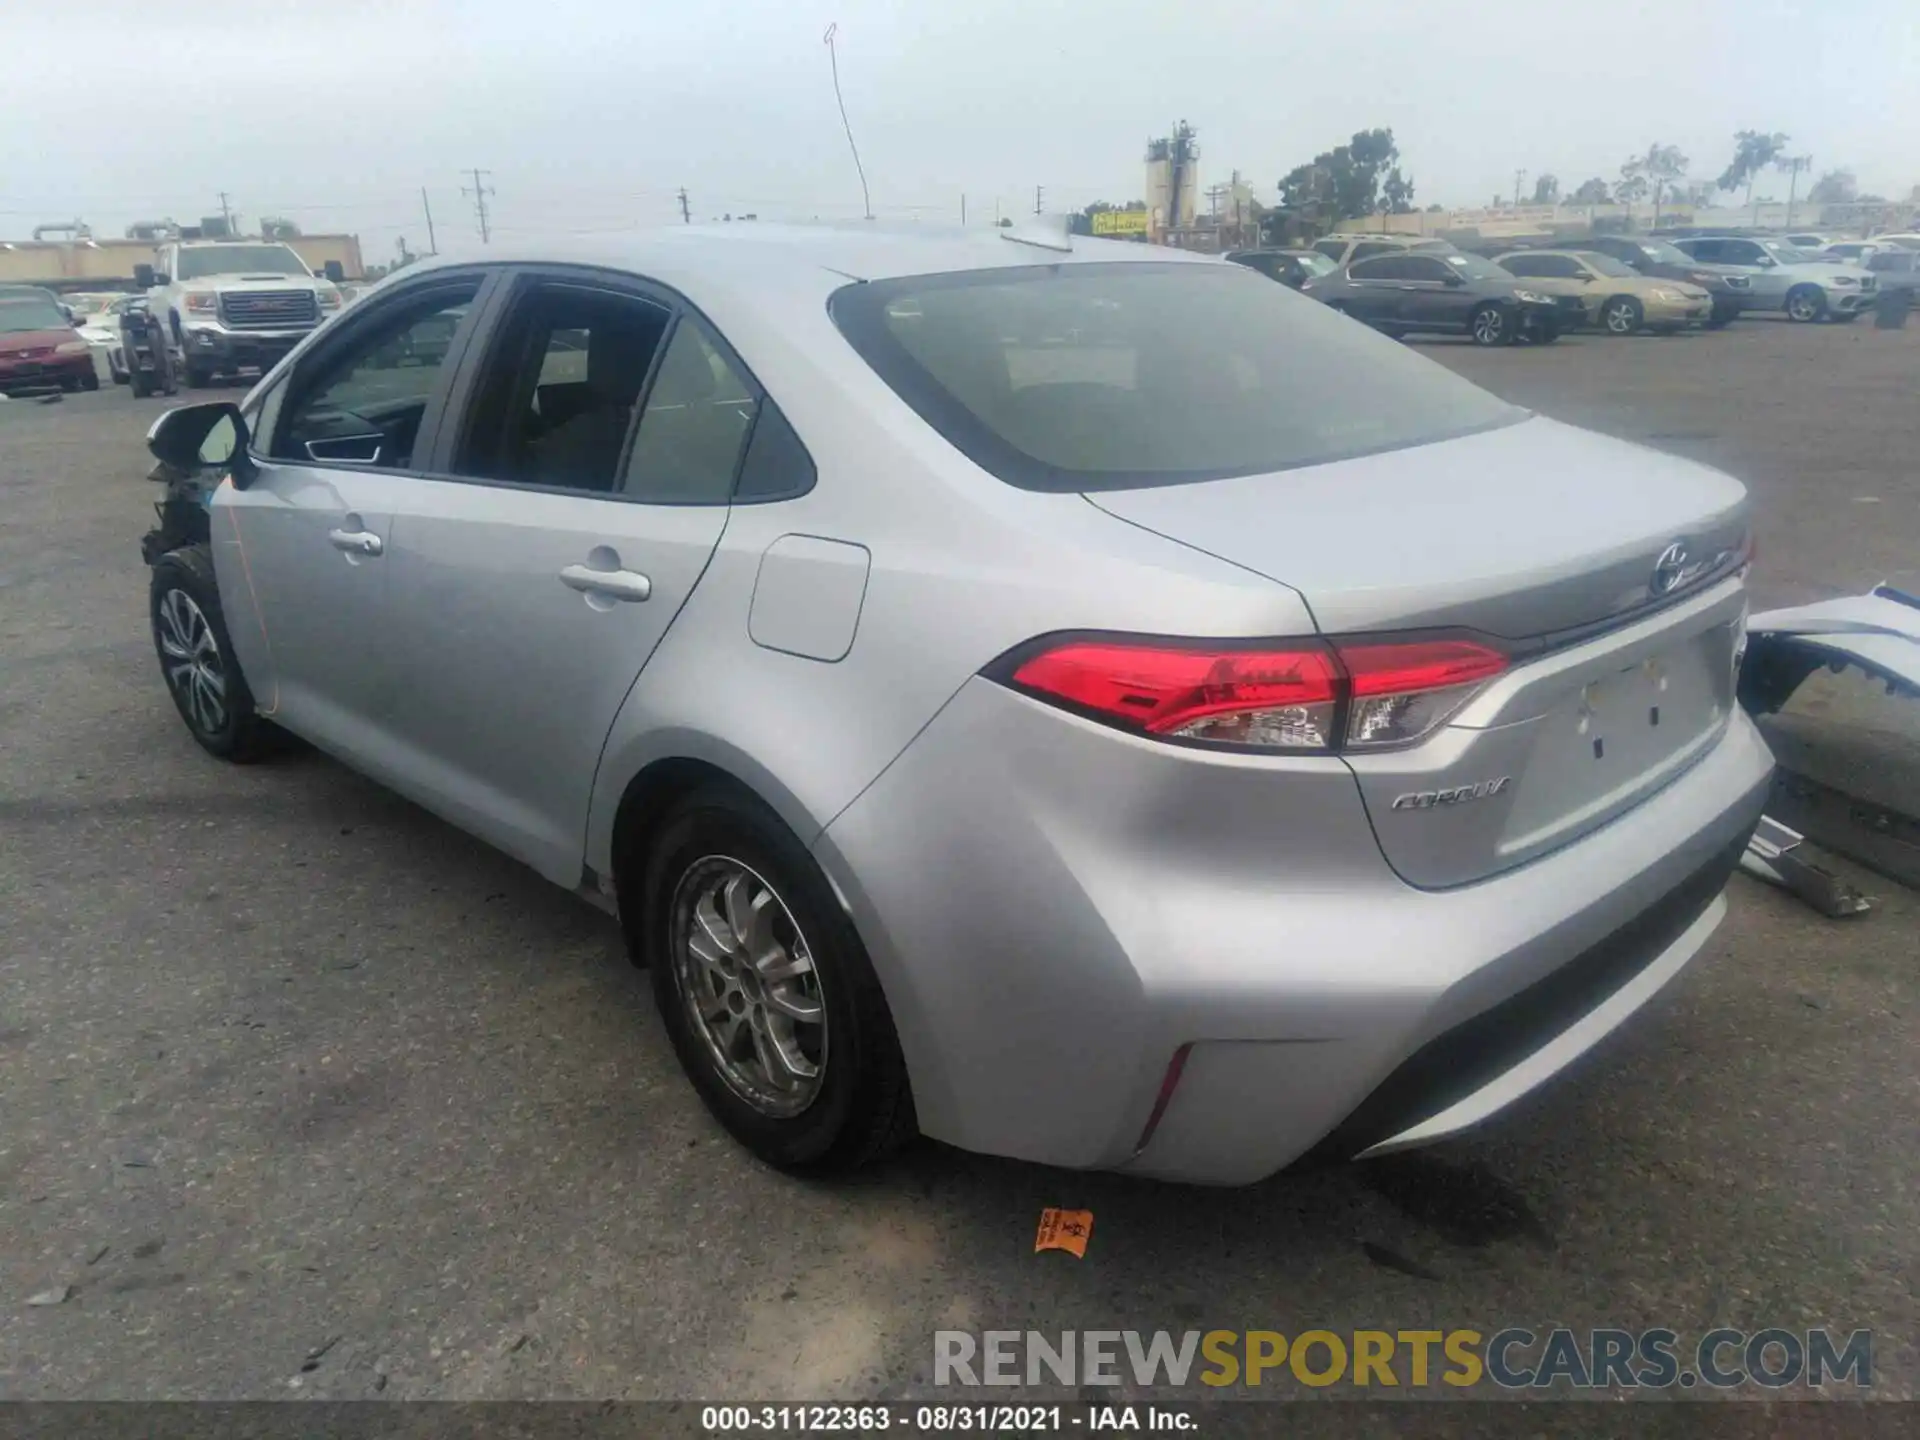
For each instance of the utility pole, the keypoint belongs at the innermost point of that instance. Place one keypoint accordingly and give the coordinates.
(686, 215)
(1038, 191)
(480, 191)
(226, 214)
(433, 246)
(1519, 179)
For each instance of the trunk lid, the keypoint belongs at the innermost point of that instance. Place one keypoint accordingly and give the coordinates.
(1559, 542)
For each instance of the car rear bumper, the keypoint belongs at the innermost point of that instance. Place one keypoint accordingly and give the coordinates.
(1057, 911)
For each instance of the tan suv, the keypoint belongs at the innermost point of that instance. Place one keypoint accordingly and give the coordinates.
(1343, 250)
(1618, 299)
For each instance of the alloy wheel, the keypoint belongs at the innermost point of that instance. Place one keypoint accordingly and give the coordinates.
(1620, 319)
(1489, 326)
(190, 658)
(748, 983)
(1803, 307)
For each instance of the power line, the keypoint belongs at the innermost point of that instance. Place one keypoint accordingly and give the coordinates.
(833, 58)
(480, 191)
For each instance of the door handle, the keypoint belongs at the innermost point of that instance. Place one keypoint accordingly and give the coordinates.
(614, 584)
(356, 542)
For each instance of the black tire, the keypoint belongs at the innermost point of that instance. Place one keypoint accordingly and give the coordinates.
(1491, 325)
(90, 381)
(1806, 304)
(231, 728)
(141, 383)
(1723, 316)
(1622, 315)
(862, 1107)
(198, 376)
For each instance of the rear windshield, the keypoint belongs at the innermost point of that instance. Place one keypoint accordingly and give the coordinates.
(1113, 376)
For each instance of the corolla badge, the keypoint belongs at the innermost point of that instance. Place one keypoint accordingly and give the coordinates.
(1670, 570)
(1457, 795)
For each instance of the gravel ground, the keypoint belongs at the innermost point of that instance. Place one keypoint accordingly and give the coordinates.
(305, 1093)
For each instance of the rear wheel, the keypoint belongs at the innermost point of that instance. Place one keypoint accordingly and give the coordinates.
(141, 383)
(199, 377)
(1490, 325)
(1806, 303)
(1622, 315)
(197, 660)
(766, 991)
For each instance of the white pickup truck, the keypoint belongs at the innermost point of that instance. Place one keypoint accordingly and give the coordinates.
(228, 304)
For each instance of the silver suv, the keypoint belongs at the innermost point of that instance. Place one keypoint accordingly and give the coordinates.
(1784, 278)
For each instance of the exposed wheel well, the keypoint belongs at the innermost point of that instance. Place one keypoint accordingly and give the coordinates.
(648, 797)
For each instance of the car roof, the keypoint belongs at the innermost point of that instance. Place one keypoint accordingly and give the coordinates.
(756, 254)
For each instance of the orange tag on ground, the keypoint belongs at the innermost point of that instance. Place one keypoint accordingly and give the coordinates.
(1064, 1230)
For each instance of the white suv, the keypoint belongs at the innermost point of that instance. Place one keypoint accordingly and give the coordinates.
(1785, 278)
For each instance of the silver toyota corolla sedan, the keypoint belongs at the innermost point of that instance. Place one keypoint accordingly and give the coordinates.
(1075, 701)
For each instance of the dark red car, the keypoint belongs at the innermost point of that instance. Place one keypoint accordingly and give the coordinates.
(39, 349)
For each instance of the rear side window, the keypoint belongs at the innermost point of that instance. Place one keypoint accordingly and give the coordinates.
(1332, 249)
(1371, 247)
(1525, 266)
(1384, 267)
(1117, 375)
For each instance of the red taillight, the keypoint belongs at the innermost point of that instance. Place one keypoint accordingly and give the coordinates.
(1302, 696)
(1231, 695)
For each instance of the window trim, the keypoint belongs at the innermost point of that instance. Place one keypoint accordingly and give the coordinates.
(633, 286)
(351, 332)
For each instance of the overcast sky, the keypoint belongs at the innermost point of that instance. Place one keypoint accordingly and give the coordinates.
(590, 114)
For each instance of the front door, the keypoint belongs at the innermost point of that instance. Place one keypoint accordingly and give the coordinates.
(1430, 293)
(1374, 290)
(311, 537)
(603, 430)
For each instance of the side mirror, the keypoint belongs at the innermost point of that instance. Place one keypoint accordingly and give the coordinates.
(1766, 262)
(203, 440)
(143, 276)
(334, 271)
(1455, 280)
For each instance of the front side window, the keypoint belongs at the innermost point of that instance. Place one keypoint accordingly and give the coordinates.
(1421, 267)
(1114, 375)
(362, 404)
(1524, 266)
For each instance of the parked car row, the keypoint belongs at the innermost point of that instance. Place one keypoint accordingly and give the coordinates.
(1617, 283)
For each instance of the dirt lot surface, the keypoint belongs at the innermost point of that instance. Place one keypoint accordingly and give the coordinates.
(304, 1093)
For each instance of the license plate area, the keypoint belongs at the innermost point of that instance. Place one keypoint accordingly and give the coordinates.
(1619, 734)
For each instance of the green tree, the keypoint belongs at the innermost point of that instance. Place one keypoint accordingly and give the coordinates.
(1546, 190)
(1662, 168)
(1753, 151)
(278, 227)
(1591, 192)
(1344, 182)
(1834, 187)
(1396, 191)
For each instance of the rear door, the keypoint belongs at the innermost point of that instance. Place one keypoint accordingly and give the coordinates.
(1374, 291)
(581, 495)
(307, 544)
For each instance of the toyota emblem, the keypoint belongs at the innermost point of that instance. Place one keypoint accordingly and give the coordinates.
(1669, 569)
